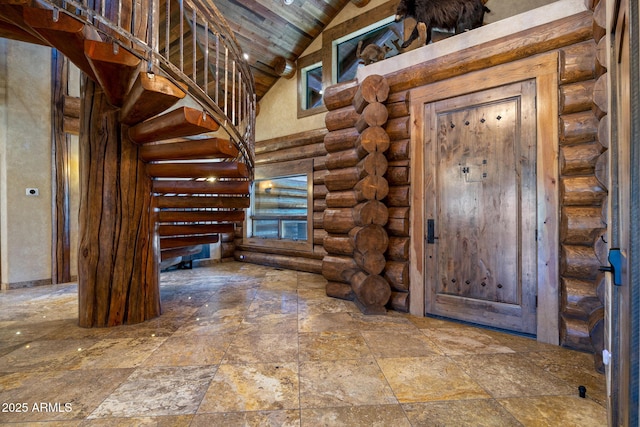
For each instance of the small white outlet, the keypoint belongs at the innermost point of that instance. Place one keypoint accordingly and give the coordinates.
(32, 192)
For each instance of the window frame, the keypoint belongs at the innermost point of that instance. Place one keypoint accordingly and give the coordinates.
(350, 36)
(345, 29)
(274, 171)
(325, 54)
(305, 63)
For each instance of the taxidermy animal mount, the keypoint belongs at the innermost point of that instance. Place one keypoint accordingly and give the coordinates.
(422, 38)
(371, 53)
(459, 15)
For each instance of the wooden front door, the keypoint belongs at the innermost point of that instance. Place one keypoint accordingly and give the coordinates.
(480, 222)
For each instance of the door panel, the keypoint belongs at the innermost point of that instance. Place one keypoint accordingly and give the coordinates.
(481, 191)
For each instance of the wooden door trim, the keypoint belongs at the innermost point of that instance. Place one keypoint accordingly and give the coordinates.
(544, 69)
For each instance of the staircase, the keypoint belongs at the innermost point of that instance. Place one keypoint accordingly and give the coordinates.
(200, 170)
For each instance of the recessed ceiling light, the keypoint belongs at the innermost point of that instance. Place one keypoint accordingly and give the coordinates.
(288, 2)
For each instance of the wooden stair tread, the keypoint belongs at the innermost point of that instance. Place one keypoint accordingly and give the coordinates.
(12, 25)
(185, 229)
(114, 67)
(166, 254)
(178, 242)
(181, 122)
(200, 216)
(66, 34)
(14, 32)
(198, 170)
(150, 95)
(201, 187)
(191, 149)
(16, 2)
(198, 202)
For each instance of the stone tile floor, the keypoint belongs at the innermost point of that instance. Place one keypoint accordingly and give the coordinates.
(246, 345)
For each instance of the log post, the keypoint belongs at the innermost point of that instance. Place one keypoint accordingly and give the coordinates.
(118, 272)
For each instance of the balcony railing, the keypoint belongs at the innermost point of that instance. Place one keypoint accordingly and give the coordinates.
(189, 42)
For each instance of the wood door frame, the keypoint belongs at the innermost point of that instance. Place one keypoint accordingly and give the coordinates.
(623, 302)
(544, 69)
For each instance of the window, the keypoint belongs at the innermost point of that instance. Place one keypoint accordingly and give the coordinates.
(343, 38)
(313, 86)
(282, 206)
(368, 22)
(310, 82)
(382, 33)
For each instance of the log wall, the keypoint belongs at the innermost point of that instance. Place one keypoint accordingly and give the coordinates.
(583, 182)
(583, 196)
(582, 162)
(356, 181)
(295, 147)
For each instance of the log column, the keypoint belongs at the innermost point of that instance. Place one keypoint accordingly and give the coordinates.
(118, 275)
(355, 216)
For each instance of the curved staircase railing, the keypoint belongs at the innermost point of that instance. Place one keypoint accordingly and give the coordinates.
(204, 55)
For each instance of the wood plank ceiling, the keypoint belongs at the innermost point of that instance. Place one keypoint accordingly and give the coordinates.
(267, 29)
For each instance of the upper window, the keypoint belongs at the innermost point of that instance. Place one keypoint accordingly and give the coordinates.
(310, 84)
(375, 26)
(312, 77)
(383, 34)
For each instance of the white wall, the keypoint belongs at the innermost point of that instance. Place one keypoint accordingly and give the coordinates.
(501, 9)
(25, 162)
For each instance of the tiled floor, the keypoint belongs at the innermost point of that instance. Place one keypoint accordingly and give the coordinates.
(249, 345)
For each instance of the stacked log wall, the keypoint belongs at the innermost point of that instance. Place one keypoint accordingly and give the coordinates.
(301, 147)
(398, 200)
(355, 217)
(584, 179)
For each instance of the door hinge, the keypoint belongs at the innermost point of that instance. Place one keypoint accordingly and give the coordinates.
(536, 301)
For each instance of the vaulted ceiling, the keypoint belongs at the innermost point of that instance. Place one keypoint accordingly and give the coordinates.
(267, 29)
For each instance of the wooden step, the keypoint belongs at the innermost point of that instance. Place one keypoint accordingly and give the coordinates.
(198, 170)
(186, 229)
(114, 67)
(12, 25)
(179, 242)
(16, 2)
(200, 216)
(200, 187)
(195, 202)
(150, 95)
(66, 34)
(14, 32)
(190, 149)
(179, 252)
(179, 123)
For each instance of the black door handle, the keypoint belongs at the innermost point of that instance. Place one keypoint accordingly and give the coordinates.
(431, 231)
(615, 265)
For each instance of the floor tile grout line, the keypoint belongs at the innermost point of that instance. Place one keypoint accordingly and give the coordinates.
(386, 379)
(298, 352)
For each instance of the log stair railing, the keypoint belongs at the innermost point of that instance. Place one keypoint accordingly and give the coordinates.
(192, 211)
